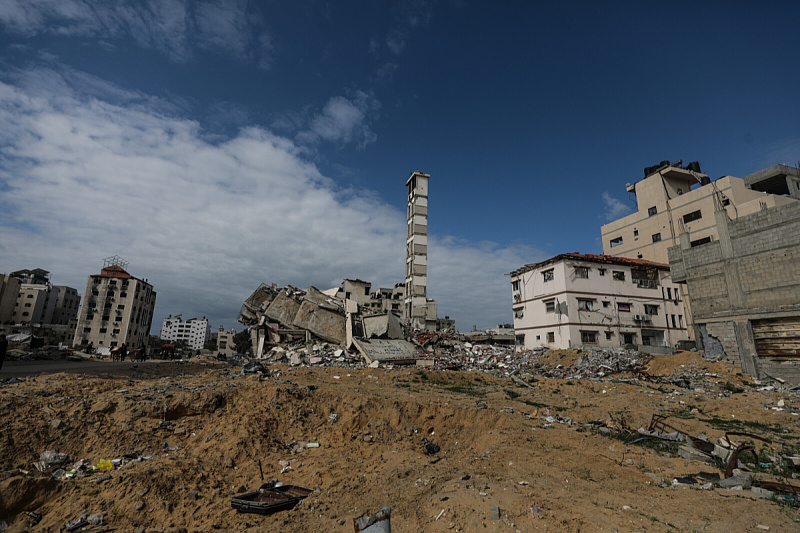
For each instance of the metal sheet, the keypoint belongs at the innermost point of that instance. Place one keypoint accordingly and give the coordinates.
(777, 337)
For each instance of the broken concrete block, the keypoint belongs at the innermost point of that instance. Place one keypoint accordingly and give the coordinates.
(742, 480)
(694, 455)
(386, 350)
(323, 323)
(383, 326)
(283, 309)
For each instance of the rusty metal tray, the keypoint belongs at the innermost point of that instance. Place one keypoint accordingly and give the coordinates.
(269, 499)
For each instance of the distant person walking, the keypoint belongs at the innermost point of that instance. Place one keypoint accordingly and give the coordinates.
(3, 348)
(123, 352)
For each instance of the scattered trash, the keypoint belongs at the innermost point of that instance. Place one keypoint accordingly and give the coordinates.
(379, 522)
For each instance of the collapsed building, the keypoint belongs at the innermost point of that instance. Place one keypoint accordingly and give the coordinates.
(345, 318)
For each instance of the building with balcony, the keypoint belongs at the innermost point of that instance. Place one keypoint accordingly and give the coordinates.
(582, 300)
(194, 333)
(117, 308)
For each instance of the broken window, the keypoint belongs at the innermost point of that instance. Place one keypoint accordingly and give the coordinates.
(87, 330)
(515, 285)
(519, 313)
(602, 271)
(657, 237)
(608, 335)
(115, 332)
(589, 337)
(585, 304)
(635, 232)
(669, 293)
(652, 211)
(618, 275)
(694, 215)
(551, 336)
(121, 306)
(650, 309)
(582, 272)
(680, 321)
(547, 275)
(113, 343)
(103, 330)
(629, 338)
(624, 307)
(645, 278)
(606, 303)
(366, 291)
(673, 321)
(700, 242)
(616, 242)
(550, 306)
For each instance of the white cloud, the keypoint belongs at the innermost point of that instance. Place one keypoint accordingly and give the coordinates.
(396, 41)
(174, 27)
(83, 178)
(614, 208)
(344, 121)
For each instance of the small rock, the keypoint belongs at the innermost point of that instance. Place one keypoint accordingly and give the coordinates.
(228, 462)
(57, 423)
(495, 514)
(95, 519)
(192, 495)
(138, 505)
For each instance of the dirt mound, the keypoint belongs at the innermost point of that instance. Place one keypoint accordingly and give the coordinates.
(187, 443)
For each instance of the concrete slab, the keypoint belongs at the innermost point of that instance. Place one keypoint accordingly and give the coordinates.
(283, 309)
(386, 350)
(384, 326)
(325, 324)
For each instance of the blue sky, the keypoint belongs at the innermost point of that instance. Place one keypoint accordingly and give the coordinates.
(216, 145)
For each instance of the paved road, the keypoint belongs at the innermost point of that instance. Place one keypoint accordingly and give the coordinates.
(21, 369)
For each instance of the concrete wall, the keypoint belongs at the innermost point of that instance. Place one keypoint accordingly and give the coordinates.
(751, 273)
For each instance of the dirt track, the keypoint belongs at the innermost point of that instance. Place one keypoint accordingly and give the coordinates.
(500, 468)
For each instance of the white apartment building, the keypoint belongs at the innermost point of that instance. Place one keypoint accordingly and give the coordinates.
(195, 332)
(580, 300)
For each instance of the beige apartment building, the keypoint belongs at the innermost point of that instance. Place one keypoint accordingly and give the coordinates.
(673, 199)
(9, 288)
(584, 300)
(225, 344)
(117, 308)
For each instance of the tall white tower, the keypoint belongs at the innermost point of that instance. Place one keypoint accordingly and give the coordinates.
(415, 303)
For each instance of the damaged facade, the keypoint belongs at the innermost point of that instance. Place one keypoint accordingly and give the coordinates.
(117, 308)
(580, 300)
(745, 289)
(285, 315)
(415, 302)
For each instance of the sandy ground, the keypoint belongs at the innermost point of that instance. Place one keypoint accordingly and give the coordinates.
(500, 466)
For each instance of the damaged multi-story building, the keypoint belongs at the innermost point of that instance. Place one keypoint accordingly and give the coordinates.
(584, 300)
(731, 245)
(745, 289)
(117, 308)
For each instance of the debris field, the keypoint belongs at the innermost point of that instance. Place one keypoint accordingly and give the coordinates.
(540, 441)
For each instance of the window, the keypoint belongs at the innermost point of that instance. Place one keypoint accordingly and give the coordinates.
(89, 316)
(700, 242)
(669, 293)
(694, 215)
(103, 330)
(547, 275)
(624, 307)
(650, 309)
(515, 285)
(115, 332)
(680, 191)
(673, 322)
(629, 338)
(589, 337)
(606, 303)
(123, 294)
(680, 321)
(582, 272)
(635, 232)
(106, 318)
(113, 343)
(608, 335)
(618, 275)
(95, 292)
(366, 291)
(121, 306)
(657, 237)
(25, 313)
(551, 336)
(550, 306)
(28, 304)
(538, 337)
(616, 242)
(519, 313)
(585, 305)
(87, 330)
(346, 295)
(29, 296)
(726, 201)
(602, 271)
(652, 211)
